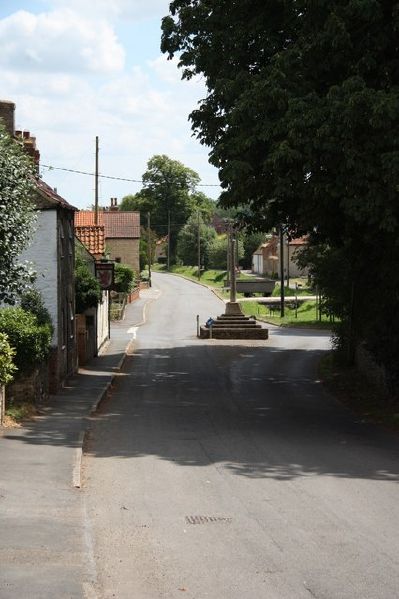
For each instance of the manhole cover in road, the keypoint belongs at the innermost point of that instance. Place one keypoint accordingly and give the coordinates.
(205, 519)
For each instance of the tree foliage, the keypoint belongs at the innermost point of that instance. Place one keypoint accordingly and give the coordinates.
(169, 194)
(87, 288)
(187, 242)
(125, 278)
(17, 217)
(302, 118)
(7, 366)
(218, 252)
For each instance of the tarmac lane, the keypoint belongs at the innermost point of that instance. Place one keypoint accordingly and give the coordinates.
(223, 470)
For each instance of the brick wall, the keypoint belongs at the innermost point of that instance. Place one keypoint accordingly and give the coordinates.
(125, 249)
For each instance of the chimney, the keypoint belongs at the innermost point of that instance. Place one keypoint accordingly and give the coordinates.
(114, 204)
(7, 110)
(29, 144)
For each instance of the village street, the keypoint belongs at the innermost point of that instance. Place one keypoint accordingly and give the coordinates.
(223, 470)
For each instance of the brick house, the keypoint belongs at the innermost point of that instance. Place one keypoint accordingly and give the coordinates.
(121, 230)
(52, 252)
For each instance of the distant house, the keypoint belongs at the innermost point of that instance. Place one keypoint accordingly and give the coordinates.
(52, 252)
(121, 231)
(266, 259)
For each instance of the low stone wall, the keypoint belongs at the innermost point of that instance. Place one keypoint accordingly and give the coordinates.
(31, 388)
(134, 295)
(144, 285)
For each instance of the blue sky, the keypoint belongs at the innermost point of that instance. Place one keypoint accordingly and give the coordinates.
(80, 68)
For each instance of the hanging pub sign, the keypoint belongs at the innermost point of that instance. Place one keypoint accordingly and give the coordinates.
(105, 275)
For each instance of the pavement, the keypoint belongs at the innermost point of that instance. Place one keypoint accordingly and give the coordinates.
(43, 550)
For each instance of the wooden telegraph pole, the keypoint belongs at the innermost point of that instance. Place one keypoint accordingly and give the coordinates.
(96, 186)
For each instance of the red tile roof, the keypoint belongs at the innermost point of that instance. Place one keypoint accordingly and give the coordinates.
(92, 237)
(117, 224)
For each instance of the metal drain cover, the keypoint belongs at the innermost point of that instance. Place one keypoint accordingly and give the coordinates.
(206, 519)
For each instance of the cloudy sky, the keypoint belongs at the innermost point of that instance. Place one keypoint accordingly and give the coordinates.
(80, 68)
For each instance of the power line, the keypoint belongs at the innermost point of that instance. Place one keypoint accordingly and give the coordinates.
(70, 170)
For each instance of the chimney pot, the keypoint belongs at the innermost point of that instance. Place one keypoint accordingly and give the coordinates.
(26, 134)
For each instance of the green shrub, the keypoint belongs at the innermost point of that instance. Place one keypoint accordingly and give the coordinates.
(32, 301)
(87, 288)
(30, 340)
(144, 275)
(125, 279)
(7, 366)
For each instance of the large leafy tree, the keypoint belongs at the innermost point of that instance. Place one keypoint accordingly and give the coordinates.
(302, 120)
(17, 217)
(169, 194)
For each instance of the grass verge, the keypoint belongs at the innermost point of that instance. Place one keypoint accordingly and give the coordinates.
(305, 316)
(351, 389)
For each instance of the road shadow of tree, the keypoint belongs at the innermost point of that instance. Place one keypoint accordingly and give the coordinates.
(257, 411)
(262, 412)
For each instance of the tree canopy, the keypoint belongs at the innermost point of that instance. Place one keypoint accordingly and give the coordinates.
(187, 242)
(169, 194)
(17, 217)
(302, 121)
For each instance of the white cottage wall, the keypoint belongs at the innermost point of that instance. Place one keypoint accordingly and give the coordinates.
(43, 254)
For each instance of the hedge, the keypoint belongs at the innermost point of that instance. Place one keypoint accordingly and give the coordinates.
(7, 366)
(30, 340)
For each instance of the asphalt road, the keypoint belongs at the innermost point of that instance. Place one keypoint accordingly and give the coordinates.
(222, 470)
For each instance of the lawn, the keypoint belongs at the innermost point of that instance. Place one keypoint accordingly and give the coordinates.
(305, 316)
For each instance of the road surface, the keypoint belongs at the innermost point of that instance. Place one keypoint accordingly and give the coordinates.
(223, 470)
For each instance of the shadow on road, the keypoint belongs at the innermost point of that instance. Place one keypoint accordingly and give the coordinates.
(257, 411)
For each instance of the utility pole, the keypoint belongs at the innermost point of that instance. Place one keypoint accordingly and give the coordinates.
(199, 245)
(96, 186)
(149, 252)
(281, 271)
(168, 240)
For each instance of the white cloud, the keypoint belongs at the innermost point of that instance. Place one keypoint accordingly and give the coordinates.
(136, 112)
(59, 41)
(135, 10)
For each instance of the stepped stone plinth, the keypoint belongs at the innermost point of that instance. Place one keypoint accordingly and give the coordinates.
(234, 326)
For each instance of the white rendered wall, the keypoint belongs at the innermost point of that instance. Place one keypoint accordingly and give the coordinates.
(257, 264)
(102, 320)
(43, 254)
